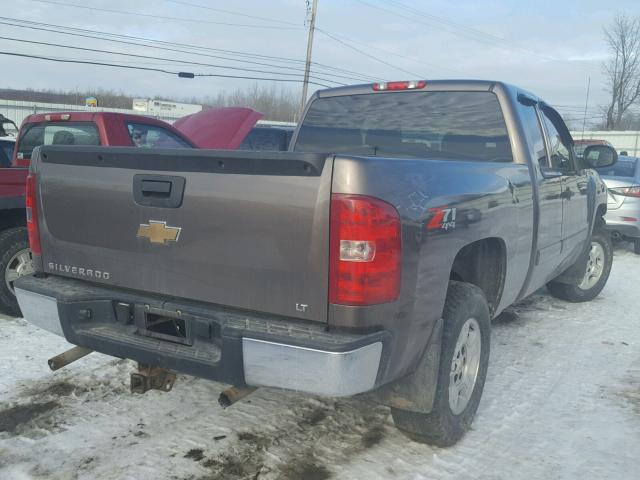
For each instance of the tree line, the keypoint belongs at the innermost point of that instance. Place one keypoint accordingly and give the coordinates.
(276, 103)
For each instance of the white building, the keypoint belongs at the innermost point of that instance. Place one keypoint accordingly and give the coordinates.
(160, 107)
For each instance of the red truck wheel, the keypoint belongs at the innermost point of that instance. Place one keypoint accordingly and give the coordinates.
(15, 261)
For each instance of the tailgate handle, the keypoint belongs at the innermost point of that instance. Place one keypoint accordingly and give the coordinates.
(163, 191)
(156, 188)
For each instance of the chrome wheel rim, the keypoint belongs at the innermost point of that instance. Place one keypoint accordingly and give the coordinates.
(20, 264)
(464, 366)
(595, 266)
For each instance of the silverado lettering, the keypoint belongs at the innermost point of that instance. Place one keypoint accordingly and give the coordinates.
(81, 271)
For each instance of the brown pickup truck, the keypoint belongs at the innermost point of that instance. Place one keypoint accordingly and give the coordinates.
(370, 257)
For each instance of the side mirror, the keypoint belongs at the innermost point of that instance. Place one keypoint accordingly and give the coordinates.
(599, 156)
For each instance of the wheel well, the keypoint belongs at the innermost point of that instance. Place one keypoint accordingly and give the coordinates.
(482, 263)
(600, 213)
(14, 217)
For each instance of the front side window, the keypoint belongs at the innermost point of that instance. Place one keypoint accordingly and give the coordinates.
(56, 133)
(446, 125)
(151, 136)
(559, 147)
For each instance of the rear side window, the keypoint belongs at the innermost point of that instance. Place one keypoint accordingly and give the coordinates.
(622, 168)
(57, 133)
(451, 125)
(151, 136)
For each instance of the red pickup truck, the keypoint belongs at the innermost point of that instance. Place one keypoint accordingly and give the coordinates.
(67, 128)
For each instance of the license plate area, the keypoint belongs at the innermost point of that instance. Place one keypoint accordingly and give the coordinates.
(165, 325)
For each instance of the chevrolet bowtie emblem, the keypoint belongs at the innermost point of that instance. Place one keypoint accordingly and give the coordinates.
(159, 232)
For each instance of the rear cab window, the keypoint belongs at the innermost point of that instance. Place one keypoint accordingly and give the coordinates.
(447, 125)
(151, 136)
(56, 133)
(6, 152)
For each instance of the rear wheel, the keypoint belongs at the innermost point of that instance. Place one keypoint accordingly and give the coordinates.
(636, 246)
(463, 368)
(15, 261)
(596, 274)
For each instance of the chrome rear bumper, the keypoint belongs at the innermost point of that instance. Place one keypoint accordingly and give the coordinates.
(40, 310)
(308, 370)
(260, 362)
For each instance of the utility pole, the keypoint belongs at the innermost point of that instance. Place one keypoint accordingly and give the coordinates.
(307, 67)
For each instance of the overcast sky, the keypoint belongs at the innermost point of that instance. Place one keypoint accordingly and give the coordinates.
(550, 47)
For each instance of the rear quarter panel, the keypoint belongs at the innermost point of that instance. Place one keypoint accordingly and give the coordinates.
(491, 200)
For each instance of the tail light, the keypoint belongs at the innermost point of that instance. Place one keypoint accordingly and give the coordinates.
(364, 251)
(32, 215)
(633, 191)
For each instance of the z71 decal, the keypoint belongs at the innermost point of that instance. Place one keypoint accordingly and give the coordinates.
(443, 218)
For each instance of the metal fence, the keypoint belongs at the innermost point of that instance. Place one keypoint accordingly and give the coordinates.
(18, 111)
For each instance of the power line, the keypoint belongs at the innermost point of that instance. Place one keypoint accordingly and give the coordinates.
(240, 14)
(161, 17)
(342, 42)
(122, 12)
(162, 45)
(160, 70)
(147, 57)
(395, 54)
(454, 27)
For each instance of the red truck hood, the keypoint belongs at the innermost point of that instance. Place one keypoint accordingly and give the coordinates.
(218, 128)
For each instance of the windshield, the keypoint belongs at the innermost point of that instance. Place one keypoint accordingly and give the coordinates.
(455, 125)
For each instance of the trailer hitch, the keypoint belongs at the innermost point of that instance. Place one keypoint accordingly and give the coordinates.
(151, 378)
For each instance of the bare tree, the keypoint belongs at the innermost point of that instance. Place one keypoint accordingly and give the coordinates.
(623, 69)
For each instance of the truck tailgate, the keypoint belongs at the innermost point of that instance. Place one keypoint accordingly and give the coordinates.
(239, 229)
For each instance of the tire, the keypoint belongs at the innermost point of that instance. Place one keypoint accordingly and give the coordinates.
(585, 292)
(14, 252)
(443, 426)
(636, 246)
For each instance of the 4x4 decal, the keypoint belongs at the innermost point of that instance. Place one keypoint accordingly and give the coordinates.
(443, 218)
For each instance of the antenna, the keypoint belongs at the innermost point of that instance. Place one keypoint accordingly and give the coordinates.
(586, 105)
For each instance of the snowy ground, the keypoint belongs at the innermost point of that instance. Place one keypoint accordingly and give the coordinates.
(562, 400)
